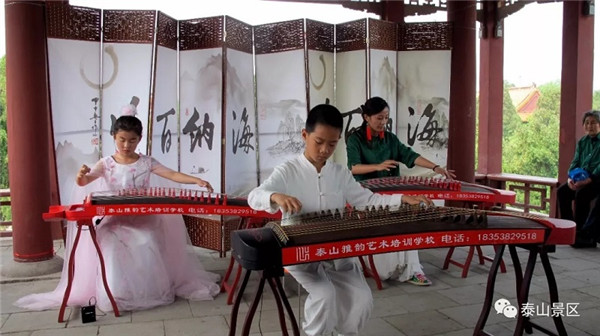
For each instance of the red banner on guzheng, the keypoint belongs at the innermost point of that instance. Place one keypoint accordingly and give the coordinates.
(365, 246)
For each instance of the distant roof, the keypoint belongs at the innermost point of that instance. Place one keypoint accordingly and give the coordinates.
(524, 100)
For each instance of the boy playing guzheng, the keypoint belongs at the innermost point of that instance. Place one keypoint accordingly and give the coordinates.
(339, 298)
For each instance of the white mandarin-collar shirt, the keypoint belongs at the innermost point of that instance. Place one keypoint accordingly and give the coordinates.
(332, 188)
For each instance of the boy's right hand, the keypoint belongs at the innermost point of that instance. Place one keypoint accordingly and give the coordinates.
(286, 203)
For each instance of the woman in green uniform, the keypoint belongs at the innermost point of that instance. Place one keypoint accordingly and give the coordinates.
(374, 152)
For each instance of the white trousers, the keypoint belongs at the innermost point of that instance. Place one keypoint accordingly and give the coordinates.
(397, 265)
(338, 299)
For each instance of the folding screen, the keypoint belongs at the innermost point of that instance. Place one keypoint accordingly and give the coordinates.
(240, 115)
(424, 90)
(201, 92)
(128, 37)
(209, 127)
(74, 67)
(351, 77)
(163, 110)
(281, 92)
(195, 88)
(382, 64)
(319, 45)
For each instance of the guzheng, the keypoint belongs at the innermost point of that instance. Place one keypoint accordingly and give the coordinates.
(350, 232)
(436, 188)
(141, 202)
(155, 201)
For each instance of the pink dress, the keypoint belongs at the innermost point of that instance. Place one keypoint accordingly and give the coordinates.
(149, 260)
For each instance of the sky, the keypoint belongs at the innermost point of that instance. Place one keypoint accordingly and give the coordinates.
(532, 36)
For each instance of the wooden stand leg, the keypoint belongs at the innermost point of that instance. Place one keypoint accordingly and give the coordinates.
(280, 299)
(448, 258)
(230, 288)
(279, 294)
(244, 223)
(371, 270)
(253, 306)
(71, 269)
(467, 264)
(524, 323)
(236, 305)
(70, 274)
(553, 291)
(489, 293)
(103, 269)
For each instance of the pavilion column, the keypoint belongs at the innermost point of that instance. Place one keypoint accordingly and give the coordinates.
(491, 91)
(393, 11)
(461, 146)
(28, 127)
(576, 80)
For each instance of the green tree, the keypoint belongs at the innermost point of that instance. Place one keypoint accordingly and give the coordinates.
(4, 211)
(510, 119)
(532, 149)
(596, 100)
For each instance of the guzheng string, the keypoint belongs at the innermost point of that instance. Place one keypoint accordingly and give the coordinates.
(141, 195)
(348, 219)
(329, 222)
(405, 181)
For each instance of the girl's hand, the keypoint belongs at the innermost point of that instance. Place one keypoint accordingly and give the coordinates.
(387, 165)
(286, 203)
(83, 171)
(205, 184)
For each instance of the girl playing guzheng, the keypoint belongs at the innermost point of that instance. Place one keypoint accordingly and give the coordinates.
(339, 298)
(374, 152)
(148, 259)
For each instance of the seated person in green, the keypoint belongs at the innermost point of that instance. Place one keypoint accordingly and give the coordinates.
(587, 157)
(374, 152)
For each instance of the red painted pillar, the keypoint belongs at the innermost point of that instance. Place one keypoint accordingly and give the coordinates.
(461, 146)
(491, 91)
(393, 11)
(576, 80)
(28, 123)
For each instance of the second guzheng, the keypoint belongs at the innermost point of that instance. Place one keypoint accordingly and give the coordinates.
(435, 188)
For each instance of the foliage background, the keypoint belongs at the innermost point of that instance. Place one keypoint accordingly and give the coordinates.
(4, 211)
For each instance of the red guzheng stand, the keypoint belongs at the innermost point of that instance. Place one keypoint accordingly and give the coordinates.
(271, 248)
(141, 202)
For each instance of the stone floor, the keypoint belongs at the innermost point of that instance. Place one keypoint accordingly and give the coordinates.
(450, 306)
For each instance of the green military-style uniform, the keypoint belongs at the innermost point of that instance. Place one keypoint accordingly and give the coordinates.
(362, 151)
(587, 156)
